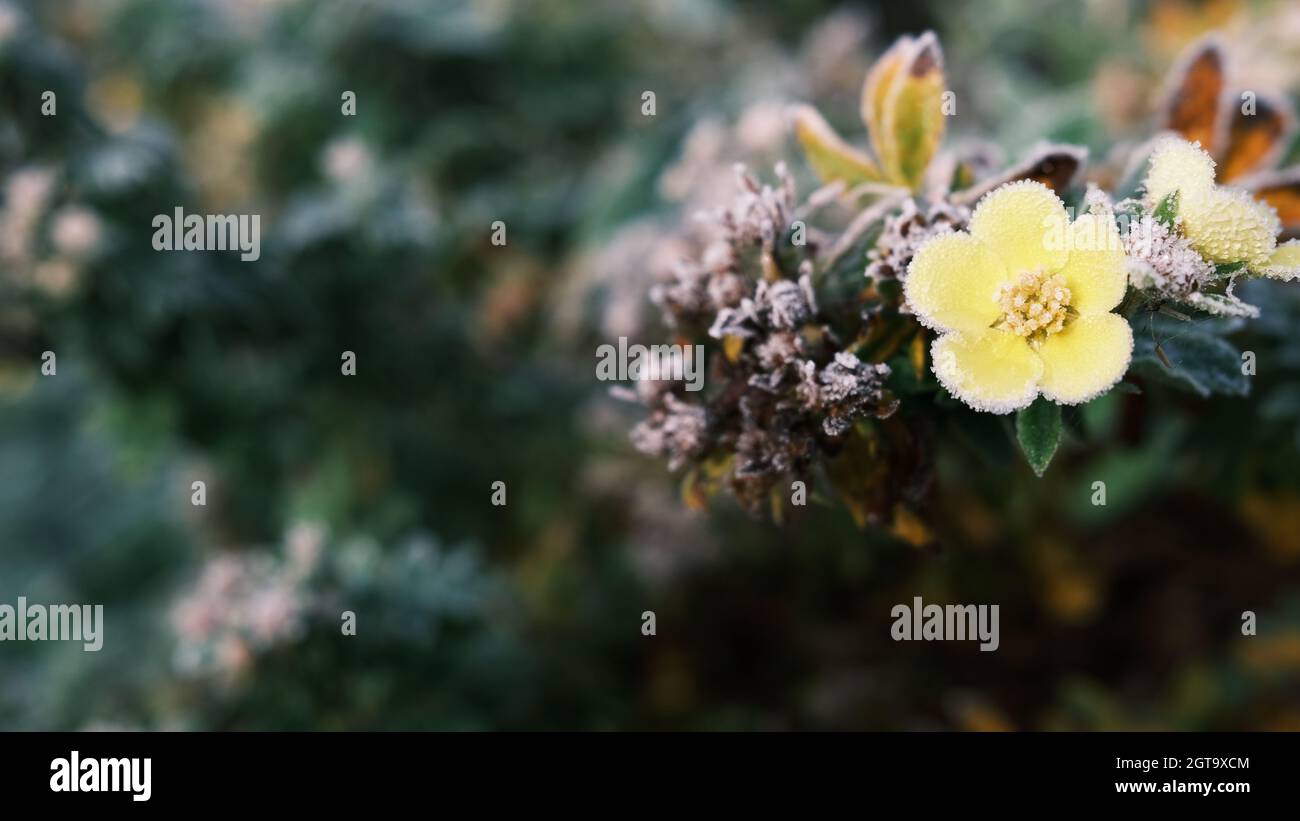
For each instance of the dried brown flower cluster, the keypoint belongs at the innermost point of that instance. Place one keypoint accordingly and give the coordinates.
(783, 389)
(907, 231)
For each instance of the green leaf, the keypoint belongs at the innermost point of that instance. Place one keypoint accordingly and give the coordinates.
(1038, 429)
(1198, 362)
(1167, 210)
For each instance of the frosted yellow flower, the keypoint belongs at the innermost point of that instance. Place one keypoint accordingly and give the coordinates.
(1224, 225)
(1284, 264)
(1023, 302)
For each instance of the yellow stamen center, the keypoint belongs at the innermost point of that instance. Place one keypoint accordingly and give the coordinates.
(1034, 305)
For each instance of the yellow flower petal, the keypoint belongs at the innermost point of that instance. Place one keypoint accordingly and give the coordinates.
(1177, 165)
(951, 283)
(1086, 359)
(991, 370)
(1095, 270)
(1285, 262)
(1025, 225)
(1227, 225)
(1287, 254)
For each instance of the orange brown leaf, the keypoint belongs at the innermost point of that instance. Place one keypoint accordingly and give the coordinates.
(1194, 102)
(1256, 141)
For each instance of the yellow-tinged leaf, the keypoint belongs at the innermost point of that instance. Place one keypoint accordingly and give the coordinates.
(732, 346)
(715, 467)
(916, 353)
(702, 482)
(885, 339)
(831, 158)
(913, 113)
(694, 494)
(875, 94)
(909, 527)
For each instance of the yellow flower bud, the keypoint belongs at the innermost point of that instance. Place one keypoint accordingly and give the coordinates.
(1177, 165)
(1225, 225)
(1284, 264)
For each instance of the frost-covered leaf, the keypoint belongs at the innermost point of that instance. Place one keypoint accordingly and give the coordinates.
(1192, 360)
(912, 120)
(1258, 138)
(1167, 211)
(1228, 270)
(876, 91)
(1220, 305)
(1038, 430)
(1194, 104)
(1053, 165)
(831, 158)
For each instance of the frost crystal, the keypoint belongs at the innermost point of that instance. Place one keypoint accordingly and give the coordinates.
(848, 389)
(675, 429)
(1160, 259)
(784, 390)
(906, 232)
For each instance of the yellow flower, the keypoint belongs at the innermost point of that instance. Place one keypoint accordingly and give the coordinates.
(1284, 264)
(1023, 302)
(1177, 165)
(1224, 225)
